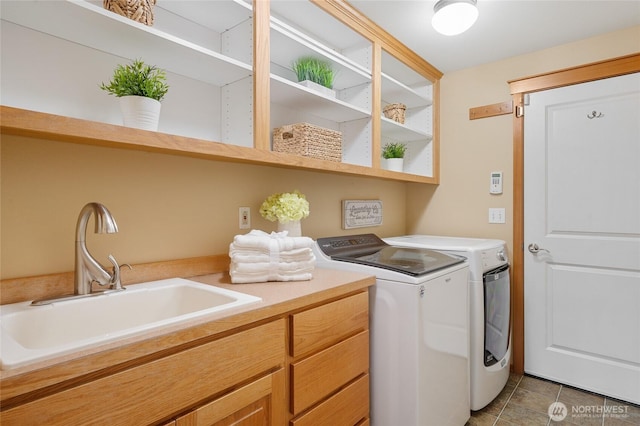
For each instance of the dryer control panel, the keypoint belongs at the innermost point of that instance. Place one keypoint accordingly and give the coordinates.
(492, 258)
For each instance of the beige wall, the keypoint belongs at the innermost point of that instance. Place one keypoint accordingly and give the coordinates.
(166, 207)
(471, 149)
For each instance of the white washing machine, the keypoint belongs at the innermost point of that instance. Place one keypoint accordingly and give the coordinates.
(419, 328)
(490, 304)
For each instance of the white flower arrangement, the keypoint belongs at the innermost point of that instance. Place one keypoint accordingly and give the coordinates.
(285, 207)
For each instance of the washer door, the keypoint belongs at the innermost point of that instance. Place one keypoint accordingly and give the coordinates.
(497, 312)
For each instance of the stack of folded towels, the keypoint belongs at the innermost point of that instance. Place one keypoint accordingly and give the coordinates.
(260, 257)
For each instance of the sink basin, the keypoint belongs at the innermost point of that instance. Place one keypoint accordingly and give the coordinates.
(33, 333)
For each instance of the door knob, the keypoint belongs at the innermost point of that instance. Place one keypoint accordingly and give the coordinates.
(533, 248)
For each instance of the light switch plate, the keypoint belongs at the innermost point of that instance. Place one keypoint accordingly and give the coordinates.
(497, 215)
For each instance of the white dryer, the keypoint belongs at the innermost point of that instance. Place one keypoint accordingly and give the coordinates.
(419, 329)
(490, 308)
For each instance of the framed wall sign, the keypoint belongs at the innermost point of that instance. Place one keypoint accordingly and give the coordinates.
(361, 213)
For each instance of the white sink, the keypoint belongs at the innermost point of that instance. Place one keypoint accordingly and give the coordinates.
(33, 333)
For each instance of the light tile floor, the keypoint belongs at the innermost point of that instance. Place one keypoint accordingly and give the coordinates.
(525, 401)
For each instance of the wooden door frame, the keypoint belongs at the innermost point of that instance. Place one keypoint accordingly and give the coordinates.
(519, 88)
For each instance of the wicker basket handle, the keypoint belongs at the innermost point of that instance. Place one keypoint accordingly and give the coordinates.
(287, 131)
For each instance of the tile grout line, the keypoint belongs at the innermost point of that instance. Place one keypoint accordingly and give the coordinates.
(557, 400)
(508, 399)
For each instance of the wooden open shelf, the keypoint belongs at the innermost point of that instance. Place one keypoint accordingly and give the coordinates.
(56, 128)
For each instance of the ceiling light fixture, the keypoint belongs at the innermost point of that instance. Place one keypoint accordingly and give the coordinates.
(452, 17)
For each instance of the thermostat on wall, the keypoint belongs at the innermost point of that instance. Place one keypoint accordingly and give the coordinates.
(495, 185)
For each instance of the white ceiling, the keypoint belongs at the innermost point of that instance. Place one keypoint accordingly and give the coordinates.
(505, 28)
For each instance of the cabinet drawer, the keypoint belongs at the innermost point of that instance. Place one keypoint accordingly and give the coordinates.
(157, 390)
(319, 375)
(348, 407)
(327, 324)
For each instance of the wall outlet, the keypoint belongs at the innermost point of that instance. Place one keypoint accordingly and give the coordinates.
(497, 215)
(244, 217)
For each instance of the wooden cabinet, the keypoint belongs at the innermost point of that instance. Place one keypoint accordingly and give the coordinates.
(304, 365)
(330, 363)
(229, 68)
(240, 374)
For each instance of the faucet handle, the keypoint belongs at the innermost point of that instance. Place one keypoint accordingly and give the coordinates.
(115, 278)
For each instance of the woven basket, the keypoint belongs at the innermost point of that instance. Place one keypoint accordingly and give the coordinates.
(395, 112)
(138, 10)
(308, 140)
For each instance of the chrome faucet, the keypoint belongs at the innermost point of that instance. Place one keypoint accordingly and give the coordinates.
(87, 269)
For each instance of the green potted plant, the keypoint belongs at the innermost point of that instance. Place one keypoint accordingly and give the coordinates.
(140, 88)
(316, 74)
(393, 153)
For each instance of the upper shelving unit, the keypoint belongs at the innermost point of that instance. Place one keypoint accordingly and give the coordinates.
(207, 49)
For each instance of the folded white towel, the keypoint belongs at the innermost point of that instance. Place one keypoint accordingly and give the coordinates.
(298, 255)
(280, 268)
(247, 279)
(261, 257)
(234, 249)
(257, 239)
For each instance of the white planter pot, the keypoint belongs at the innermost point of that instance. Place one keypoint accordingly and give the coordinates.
(318, 88)
(394, 164)
(140, 112)
(294, 228)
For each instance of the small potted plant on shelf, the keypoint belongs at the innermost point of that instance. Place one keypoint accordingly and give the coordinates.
(393, 153)
(315, 74)
(140, 88)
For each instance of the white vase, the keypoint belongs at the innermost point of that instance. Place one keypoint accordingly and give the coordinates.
(294, 228)
(394, 164)
(140, 112)
(318, 88)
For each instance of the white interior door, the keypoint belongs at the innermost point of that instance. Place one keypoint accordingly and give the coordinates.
(582, 236)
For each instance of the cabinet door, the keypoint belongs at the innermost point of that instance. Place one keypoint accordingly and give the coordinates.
(256, 404)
